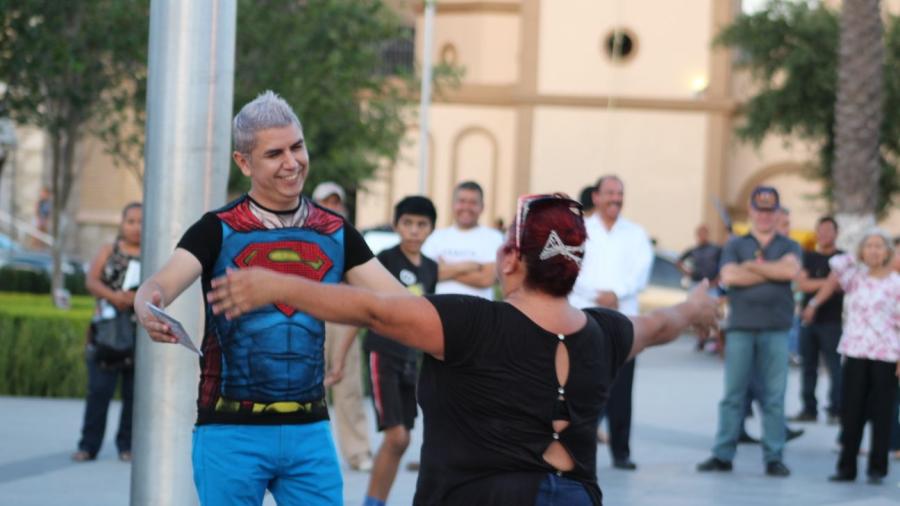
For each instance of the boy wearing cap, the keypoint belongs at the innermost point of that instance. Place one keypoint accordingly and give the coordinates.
(757, 269)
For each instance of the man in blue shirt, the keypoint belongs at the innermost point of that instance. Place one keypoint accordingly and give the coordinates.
(757, 269)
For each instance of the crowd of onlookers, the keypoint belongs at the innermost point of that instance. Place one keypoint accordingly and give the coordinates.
(818, 307)
(812, 308)
(262, 417)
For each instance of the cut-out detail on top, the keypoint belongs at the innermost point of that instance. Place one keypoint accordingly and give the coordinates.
(556, 454)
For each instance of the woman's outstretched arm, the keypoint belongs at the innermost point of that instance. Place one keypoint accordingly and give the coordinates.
(408, 319)
(663, 325)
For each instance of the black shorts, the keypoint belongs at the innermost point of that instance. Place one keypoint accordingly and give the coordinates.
(393, 390)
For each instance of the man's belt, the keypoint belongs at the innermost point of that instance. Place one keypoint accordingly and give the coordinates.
(224, 405)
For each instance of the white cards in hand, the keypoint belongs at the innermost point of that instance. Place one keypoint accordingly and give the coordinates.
(175, 327)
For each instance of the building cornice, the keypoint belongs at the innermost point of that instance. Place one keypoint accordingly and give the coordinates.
(473, 7)
(511, 96)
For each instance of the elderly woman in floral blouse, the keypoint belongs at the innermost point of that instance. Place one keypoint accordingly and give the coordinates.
(871, 347)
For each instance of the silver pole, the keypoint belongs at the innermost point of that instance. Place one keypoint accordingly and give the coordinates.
(13, 183)
(189, 98)
(425, 95)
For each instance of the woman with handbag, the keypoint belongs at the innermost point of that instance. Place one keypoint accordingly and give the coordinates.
(113, 276)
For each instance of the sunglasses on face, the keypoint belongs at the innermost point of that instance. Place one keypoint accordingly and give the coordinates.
(526, 202)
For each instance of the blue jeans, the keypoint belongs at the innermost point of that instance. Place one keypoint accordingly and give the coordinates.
(764, 353)
(794, 337)
(235, 464)
(558, 491)
(821, 339)
(102, 382)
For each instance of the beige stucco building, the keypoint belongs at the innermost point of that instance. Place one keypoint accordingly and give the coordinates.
(100, 191)
(544, 107)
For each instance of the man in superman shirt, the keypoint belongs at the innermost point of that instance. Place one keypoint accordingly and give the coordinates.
(262, 422)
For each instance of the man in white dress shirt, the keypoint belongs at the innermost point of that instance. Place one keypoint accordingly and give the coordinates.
(617, 261)
(465, 251)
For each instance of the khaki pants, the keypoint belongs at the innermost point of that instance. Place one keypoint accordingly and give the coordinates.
(351, 424)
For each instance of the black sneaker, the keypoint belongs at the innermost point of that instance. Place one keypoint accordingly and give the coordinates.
(791, 434)
(624, 464)
(804, 417)
(714, 464)
(745, 438)
(778, 469)
(875, 479)
(840, 477)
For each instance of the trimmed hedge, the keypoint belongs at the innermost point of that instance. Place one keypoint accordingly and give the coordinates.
(42, 347)
(28, 281)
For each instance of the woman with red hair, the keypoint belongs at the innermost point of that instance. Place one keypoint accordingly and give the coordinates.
(510, 391)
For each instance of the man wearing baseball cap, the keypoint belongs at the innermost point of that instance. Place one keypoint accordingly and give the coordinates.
(342, 358)
(757, 269)
(330, 194)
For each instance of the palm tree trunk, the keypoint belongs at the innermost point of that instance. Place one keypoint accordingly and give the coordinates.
(858, 118)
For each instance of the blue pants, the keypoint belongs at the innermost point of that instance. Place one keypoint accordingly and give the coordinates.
(794, 337)
(821, 339)
(102, 382)
(764, 353)
(558, 491)
(235, 464)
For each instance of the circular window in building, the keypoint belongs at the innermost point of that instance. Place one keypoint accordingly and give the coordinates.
(620, 45)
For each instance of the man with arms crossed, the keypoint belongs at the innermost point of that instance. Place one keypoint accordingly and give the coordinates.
(262, 420)
(757, 269)
(465, 251)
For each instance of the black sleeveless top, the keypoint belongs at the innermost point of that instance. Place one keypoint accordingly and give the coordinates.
(113, 273)
(488, 407)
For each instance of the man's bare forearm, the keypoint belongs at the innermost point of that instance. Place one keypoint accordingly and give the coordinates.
(785, 269)
(346, 337)
(482, 278)
(447, 271)
(737, 275)
(810, 285)
(145, 292)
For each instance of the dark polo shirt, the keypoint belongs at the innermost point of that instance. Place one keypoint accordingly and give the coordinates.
(765, 306)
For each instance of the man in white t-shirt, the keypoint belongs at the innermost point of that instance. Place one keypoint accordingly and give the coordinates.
(618, 257)
(466, 251)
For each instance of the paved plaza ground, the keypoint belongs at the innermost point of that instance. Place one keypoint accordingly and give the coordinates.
(676, 396)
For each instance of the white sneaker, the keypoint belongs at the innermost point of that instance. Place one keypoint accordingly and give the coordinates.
(363, 465)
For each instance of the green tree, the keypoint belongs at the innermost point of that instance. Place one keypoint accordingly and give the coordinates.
(325, 58)
(73, 68)
(791, 51)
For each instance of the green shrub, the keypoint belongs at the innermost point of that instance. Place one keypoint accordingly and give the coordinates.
(42, 347)
(75, 283)
(19, 280)
(29, 281)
